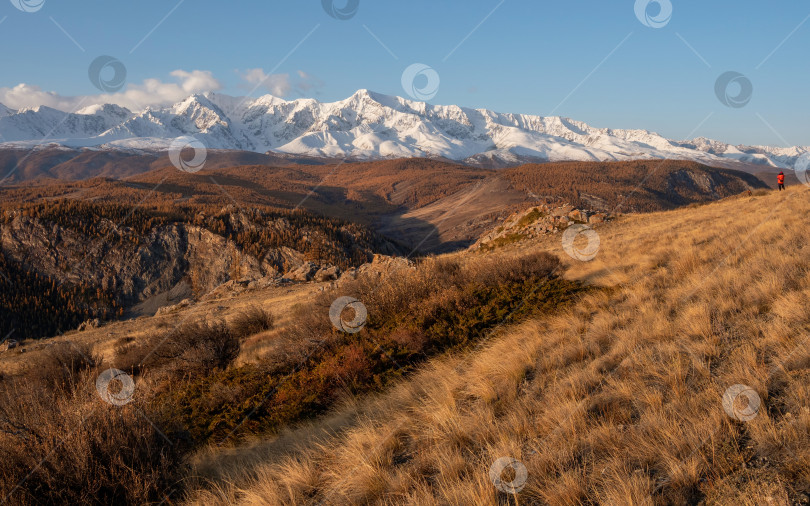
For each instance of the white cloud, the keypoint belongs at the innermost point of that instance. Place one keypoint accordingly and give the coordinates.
(152, 92)
(308, 82)
(276, 84)
(157, 93)
(26, 95)
(280, 85)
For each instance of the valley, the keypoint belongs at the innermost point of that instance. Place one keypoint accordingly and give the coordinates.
(182, 235)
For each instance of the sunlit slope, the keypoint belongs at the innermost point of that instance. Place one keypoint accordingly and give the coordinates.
(618, 400)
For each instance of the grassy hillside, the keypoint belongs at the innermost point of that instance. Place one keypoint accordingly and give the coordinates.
(616, 400)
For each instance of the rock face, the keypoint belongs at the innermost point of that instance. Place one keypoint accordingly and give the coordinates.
(133, 272)
(139, 267)
(536, 221)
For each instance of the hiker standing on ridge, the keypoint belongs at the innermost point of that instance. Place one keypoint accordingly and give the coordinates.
(780, 179)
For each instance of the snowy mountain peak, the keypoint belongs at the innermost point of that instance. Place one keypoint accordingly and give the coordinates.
(365, 125)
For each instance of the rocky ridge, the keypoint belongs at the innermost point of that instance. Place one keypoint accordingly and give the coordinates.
(537, 221)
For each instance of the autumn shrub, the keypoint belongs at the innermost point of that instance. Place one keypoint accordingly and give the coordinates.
(74, 448)
(131, 354)
(200, 347)
(190, 348)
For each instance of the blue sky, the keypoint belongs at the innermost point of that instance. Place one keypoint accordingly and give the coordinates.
(592, 60)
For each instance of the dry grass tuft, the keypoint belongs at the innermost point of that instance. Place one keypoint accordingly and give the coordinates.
(60, 366)
(251, 321)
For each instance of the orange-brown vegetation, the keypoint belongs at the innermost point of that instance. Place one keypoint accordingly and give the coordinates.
(364, 191)
(190, 393)
(35, 305)
(635, 186)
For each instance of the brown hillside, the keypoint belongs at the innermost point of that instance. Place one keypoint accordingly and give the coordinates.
(637, 186)
(436, 205)
(48, 163)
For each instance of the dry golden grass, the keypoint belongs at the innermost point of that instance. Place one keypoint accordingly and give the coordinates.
(615, 401)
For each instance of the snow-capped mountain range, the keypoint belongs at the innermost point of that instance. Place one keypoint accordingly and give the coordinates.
(366, 125)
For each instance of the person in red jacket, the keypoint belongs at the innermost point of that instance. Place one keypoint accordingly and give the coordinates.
(780, 179)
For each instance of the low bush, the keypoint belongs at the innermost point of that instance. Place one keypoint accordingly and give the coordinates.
(59, 366)
(71, 447)
(441, 305)
(192, 348)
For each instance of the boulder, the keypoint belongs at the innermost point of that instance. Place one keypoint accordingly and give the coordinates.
(562, 211)
(303, 273)
(327, 274)
(264, 282)
(597, 218)
(90, 324)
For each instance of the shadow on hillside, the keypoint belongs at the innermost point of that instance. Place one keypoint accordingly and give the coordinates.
(411, 235)
(220, 464)
(416, 235)
(419, 235)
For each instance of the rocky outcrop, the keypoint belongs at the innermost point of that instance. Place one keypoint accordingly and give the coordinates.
(380, 265)
(133, 270)
(536, 221)
(90, 324)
